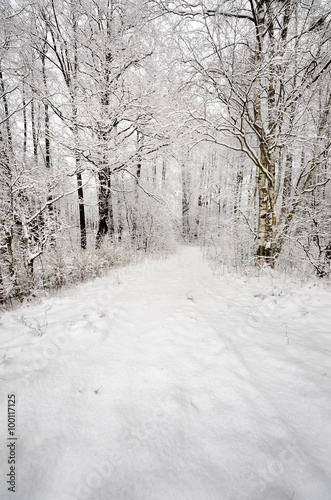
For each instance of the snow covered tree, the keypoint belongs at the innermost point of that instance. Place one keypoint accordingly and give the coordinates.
(60, 27)
(261, 66)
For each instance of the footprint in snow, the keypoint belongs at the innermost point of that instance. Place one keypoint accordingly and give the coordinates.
(79, 326)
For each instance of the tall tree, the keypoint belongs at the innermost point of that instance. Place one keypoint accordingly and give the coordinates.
(61, 37)
(261, 63)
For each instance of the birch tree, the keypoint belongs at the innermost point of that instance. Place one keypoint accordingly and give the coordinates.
(262, 64)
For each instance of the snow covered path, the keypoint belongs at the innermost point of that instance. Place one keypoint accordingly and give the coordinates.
(163, 381)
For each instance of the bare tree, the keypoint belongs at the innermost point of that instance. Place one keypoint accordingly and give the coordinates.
(61, 39)
(261, 65)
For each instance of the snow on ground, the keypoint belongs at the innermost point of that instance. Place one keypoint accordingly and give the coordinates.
(163, 381)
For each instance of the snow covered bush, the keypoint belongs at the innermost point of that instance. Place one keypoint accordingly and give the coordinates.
(66, 266)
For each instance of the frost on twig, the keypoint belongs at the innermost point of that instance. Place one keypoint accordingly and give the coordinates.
(34, 325)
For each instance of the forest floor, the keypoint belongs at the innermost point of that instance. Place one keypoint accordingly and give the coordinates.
(163, 381)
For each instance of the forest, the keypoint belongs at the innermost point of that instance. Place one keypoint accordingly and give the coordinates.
(129, 126)
(165, 249)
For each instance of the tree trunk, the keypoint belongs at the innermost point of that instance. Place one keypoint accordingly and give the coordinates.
(80, 192)
(185, 206)
(106, 223)
(15, 285)
(82, 224)
(34, 131)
